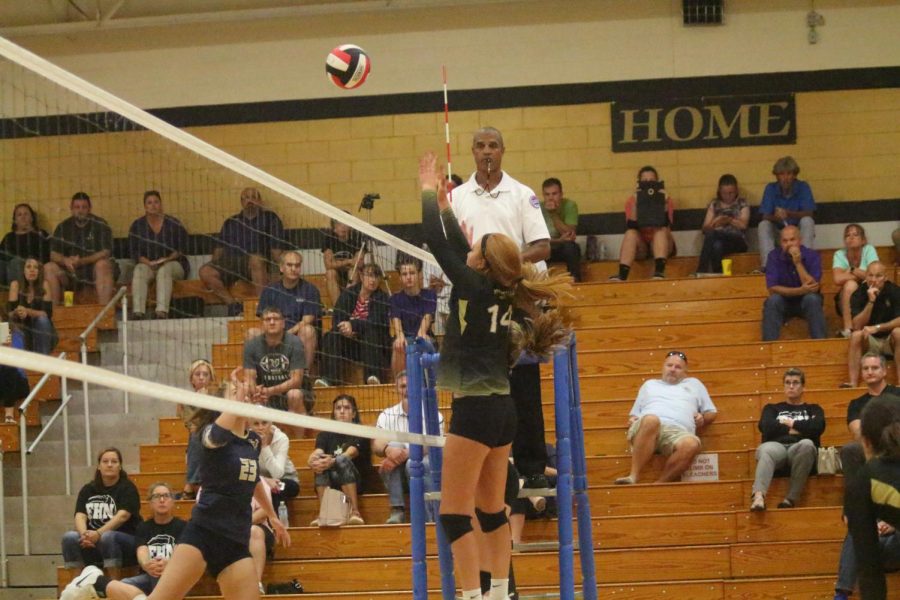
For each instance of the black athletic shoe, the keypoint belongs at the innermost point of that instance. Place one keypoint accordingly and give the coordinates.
(538, 481)
(291, 587)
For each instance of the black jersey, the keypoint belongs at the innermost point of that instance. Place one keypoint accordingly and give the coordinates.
(229, 471)
(474, 353)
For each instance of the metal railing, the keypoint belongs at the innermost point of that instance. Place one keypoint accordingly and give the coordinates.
(25, 449)
(121, 294)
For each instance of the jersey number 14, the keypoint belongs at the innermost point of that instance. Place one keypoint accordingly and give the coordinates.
(504, 320)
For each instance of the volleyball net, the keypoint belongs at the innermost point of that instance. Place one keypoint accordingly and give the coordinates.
(61, 136)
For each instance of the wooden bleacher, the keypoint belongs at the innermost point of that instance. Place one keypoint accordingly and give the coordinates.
(694, 540)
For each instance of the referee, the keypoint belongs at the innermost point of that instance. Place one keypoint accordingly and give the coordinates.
(493, 202)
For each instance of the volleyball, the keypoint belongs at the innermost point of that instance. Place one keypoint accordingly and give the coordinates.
(347, 66)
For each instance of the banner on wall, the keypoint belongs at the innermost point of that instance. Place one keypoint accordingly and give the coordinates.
(704, 122)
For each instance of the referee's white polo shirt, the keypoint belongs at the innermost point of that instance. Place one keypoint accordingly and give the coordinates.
(515, 212)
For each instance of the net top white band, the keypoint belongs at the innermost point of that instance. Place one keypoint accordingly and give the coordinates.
(97, 376)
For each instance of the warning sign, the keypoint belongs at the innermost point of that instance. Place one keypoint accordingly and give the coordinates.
(704, 468)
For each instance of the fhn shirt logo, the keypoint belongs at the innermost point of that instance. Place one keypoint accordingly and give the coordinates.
(703, 122)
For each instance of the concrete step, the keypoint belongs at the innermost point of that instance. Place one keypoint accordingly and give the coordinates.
(37, 570)
(49, 454)
(47, 480)
(28, 593)
(135, 421)
(106, 401)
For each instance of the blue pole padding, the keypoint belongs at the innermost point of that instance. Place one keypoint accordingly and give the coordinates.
(416, 471)
(579, 468)
(435, 462)
(561, 391)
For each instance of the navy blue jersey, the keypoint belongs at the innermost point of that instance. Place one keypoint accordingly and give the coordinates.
(229, 471)
(475, 351)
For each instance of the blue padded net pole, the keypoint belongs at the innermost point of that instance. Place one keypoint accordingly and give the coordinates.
(416, 471)
(436, 457)
(579, 471)
(561, 392)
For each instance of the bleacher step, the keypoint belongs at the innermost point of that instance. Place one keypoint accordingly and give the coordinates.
(37, 570)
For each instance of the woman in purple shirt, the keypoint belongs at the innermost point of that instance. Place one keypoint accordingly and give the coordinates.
(157, 243)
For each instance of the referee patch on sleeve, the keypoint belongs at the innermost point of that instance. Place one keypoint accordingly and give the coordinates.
(535, 202)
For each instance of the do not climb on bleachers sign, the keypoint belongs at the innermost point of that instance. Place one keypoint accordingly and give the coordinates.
(704, 468)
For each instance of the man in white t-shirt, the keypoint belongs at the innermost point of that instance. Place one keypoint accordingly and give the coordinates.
(665, 418)
(394, 468)
(493, 202)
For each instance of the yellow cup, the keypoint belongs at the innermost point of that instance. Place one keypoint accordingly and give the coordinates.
(69, 299)
(726, 266)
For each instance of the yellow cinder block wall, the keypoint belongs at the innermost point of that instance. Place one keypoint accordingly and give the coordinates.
(846, 148)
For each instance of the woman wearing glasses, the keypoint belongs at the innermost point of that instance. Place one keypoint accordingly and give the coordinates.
(790, 440)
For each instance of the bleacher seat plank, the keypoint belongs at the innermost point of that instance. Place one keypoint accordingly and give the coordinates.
(667, 337)
(9, 438)
(782, 588)
(796, 524)
(601, 362)
(661, 313)
(773, 559)
(742, 380)
(601, 470)
(646, 531)
(787, 353)
(666, 290)
(717, 436)
(820, 490)
(52, 389)
(81, 315)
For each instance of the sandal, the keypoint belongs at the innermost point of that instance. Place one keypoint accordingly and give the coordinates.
(356, 519)
(9, 420)
(786, 503)
(758, 502)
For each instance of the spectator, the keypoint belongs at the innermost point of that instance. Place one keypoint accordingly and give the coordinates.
(298, 301)
(275, 466)
(792, 277)
(871, 495)
(273, 367)
(25, 240)
(157, 243)
(81, 253)
(14, 386)
(335, 458)
(790, 438)
(848, 268)
(202, 378)
(155, 539)
(394, 469)
(875, 307)
(561, 215)
(724, 226)
(895, 237)
(246, 243)
(665, 418)
(343, 250)
(31, 308)
(412, 312)
(643, 239)
(874, 374)
(107, 512)
(359, 331)
(787, 201)
(437, 283)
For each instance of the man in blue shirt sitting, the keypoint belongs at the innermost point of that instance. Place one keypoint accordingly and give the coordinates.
(298, 300)
(787, 201)
(792, 278)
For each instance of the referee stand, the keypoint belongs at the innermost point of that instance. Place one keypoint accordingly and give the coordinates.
(571, 475)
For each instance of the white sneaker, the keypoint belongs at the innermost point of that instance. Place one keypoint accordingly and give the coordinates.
(321, 383)
(82, 587)
(372, 380)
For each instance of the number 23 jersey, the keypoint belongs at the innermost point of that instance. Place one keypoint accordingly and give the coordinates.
(229, 470)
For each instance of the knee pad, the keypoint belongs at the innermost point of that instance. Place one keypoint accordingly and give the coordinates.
(491, 521)
(456, 526)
